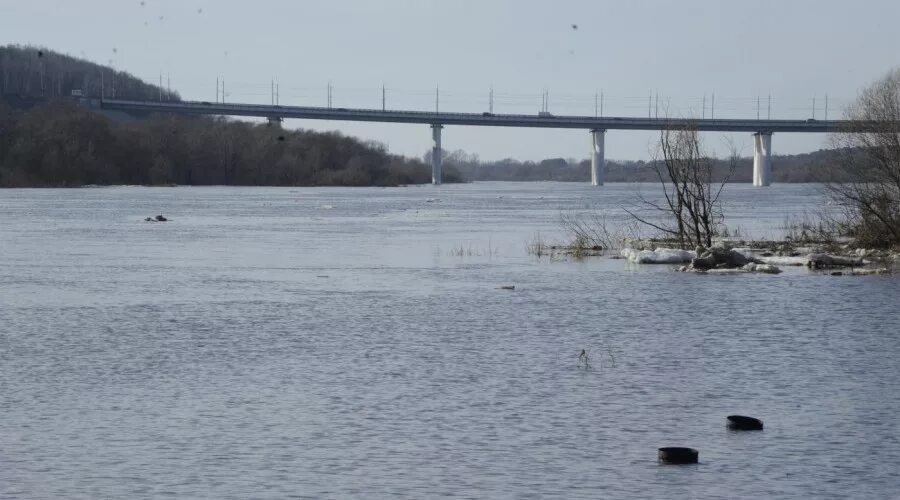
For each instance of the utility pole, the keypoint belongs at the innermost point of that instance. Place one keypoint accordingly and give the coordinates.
(601, 104)
(712, 111)
(382, 98)
(160, 86)
(649, 104)
(657, 104)
(703, 108)
(814, 108)
(826, 106)
(437, 99)
(272, 91)
(168, 86)
(491, 101)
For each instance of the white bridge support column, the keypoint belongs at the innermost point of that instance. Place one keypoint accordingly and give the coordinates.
(762, 158)
(436, 154)
(598, 162)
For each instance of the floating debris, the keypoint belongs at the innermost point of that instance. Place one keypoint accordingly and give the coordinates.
(742, 423)
(678, 455)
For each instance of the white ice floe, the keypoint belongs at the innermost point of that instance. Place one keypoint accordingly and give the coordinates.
(745, 251)
(762, 268)
(658, 256)
(785, 261)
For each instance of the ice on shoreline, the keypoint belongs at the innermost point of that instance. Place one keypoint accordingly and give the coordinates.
(785, 260)
(658, 256)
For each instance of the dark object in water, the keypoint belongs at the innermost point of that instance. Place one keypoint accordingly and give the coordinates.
(677, 455)
(742, 423)
(160, 218)
(508, 287)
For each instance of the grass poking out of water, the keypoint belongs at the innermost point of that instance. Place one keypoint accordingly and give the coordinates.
(461, 250)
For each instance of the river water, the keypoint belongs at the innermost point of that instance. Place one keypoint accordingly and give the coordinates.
(354, 343)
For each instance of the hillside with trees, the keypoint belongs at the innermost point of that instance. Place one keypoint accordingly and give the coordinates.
(60, 144)
(30, 73)
(47, 139)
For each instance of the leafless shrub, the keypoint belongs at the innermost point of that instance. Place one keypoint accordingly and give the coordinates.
(806, 229)
(869, 148)
(593, 231)
(537, 246)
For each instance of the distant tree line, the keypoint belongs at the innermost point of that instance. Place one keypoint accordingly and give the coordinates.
(808, 167)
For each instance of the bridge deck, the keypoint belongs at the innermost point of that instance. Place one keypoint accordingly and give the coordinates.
(478, 119)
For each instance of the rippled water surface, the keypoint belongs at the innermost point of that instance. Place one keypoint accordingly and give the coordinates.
(338, 342)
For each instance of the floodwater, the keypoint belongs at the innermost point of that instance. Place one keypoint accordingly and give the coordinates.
(354, 343)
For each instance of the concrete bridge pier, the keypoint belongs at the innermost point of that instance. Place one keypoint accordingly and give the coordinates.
(275, 121)
(598, 162)
(762, 158)
(436, 154)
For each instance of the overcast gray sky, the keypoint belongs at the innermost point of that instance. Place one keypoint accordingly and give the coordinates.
(629, 50)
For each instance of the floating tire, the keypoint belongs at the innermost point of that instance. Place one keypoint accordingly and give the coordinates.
(677, 455)
(742, 423)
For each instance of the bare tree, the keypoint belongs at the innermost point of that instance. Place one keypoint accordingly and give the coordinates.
(692, 213)
(594, 231)
(869, 150)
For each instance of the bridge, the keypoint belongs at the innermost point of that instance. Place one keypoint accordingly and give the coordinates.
(762, 129)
